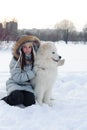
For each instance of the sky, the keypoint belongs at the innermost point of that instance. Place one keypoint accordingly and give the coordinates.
(44, 14)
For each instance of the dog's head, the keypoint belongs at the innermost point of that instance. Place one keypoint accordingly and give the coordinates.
(48, 52)
(56, 57)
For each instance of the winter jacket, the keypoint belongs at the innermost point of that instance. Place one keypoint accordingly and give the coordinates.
(20, 79)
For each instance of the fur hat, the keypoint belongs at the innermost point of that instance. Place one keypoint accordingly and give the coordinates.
(29, 38)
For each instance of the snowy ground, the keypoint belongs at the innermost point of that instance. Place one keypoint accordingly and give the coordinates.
(69, 111)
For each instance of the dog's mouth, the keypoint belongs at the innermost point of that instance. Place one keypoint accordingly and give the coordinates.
(55, 60)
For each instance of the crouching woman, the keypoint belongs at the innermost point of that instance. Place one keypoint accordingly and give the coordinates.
(18, 86)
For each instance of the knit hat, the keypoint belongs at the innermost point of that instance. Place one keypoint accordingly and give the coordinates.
(28, 38)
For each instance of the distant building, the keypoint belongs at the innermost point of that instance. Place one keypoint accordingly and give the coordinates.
(12, 26)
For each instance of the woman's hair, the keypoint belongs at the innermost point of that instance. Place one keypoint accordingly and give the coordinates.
(23, 60)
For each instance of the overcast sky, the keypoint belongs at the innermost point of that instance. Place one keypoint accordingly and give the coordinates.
(44, 13)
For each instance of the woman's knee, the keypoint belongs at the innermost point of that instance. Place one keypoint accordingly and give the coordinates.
(29, 98)
(16, 98)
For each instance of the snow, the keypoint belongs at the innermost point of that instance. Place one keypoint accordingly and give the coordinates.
(69, 110)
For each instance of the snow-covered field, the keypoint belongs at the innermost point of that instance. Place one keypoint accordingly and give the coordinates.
(69, 111)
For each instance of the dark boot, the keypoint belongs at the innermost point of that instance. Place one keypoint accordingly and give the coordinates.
(4, 99)
(15, 98)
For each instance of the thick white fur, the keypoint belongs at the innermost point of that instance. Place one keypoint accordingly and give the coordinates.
(46, 63)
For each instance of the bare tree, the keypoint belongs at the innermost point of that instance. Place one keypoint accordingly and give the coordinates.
(66, 26)
(85, 32)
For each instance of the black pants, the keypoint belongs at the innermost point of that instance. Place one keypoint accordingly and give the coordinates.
(20, 97)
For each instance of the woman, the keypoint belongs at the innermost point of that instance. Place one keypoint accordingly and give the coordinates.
(18, 86)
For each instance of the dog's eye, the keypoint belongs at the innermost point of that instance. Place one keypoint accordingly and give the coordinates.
(53, 52)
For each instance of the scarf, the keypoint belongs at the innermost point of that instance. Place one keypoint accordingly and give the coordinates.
(28, 57)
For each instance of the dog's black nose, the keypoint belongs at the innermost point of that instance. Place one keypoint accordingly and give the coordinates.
(59, 57)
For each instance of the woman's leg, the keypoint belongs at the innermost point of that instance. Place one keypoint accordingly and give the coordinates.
(29, 98)
(15, 98)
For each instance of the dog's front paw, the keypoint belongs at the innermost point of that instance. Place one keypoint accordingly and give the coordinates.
(39, 102)
(49, 103)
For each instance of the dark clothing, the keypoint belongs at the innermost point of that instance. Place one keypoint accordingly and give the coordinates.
(18, 97)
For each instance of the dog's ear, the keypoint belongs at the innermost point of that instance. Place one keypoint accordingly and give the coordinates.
(61, 62)
(45, 46)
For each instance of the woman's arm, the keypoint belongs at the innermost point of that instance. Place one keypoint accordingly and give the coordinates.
(18, 75)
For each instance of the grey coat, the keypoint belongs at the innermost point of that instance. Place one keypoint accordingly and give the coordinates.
(19, 79)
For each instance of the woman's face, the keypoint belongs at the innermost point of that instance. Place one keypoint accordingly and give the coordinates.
(27, 48)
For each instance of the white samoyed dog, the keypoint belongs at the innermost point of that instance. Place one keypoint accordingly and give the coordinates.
(46, 62)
